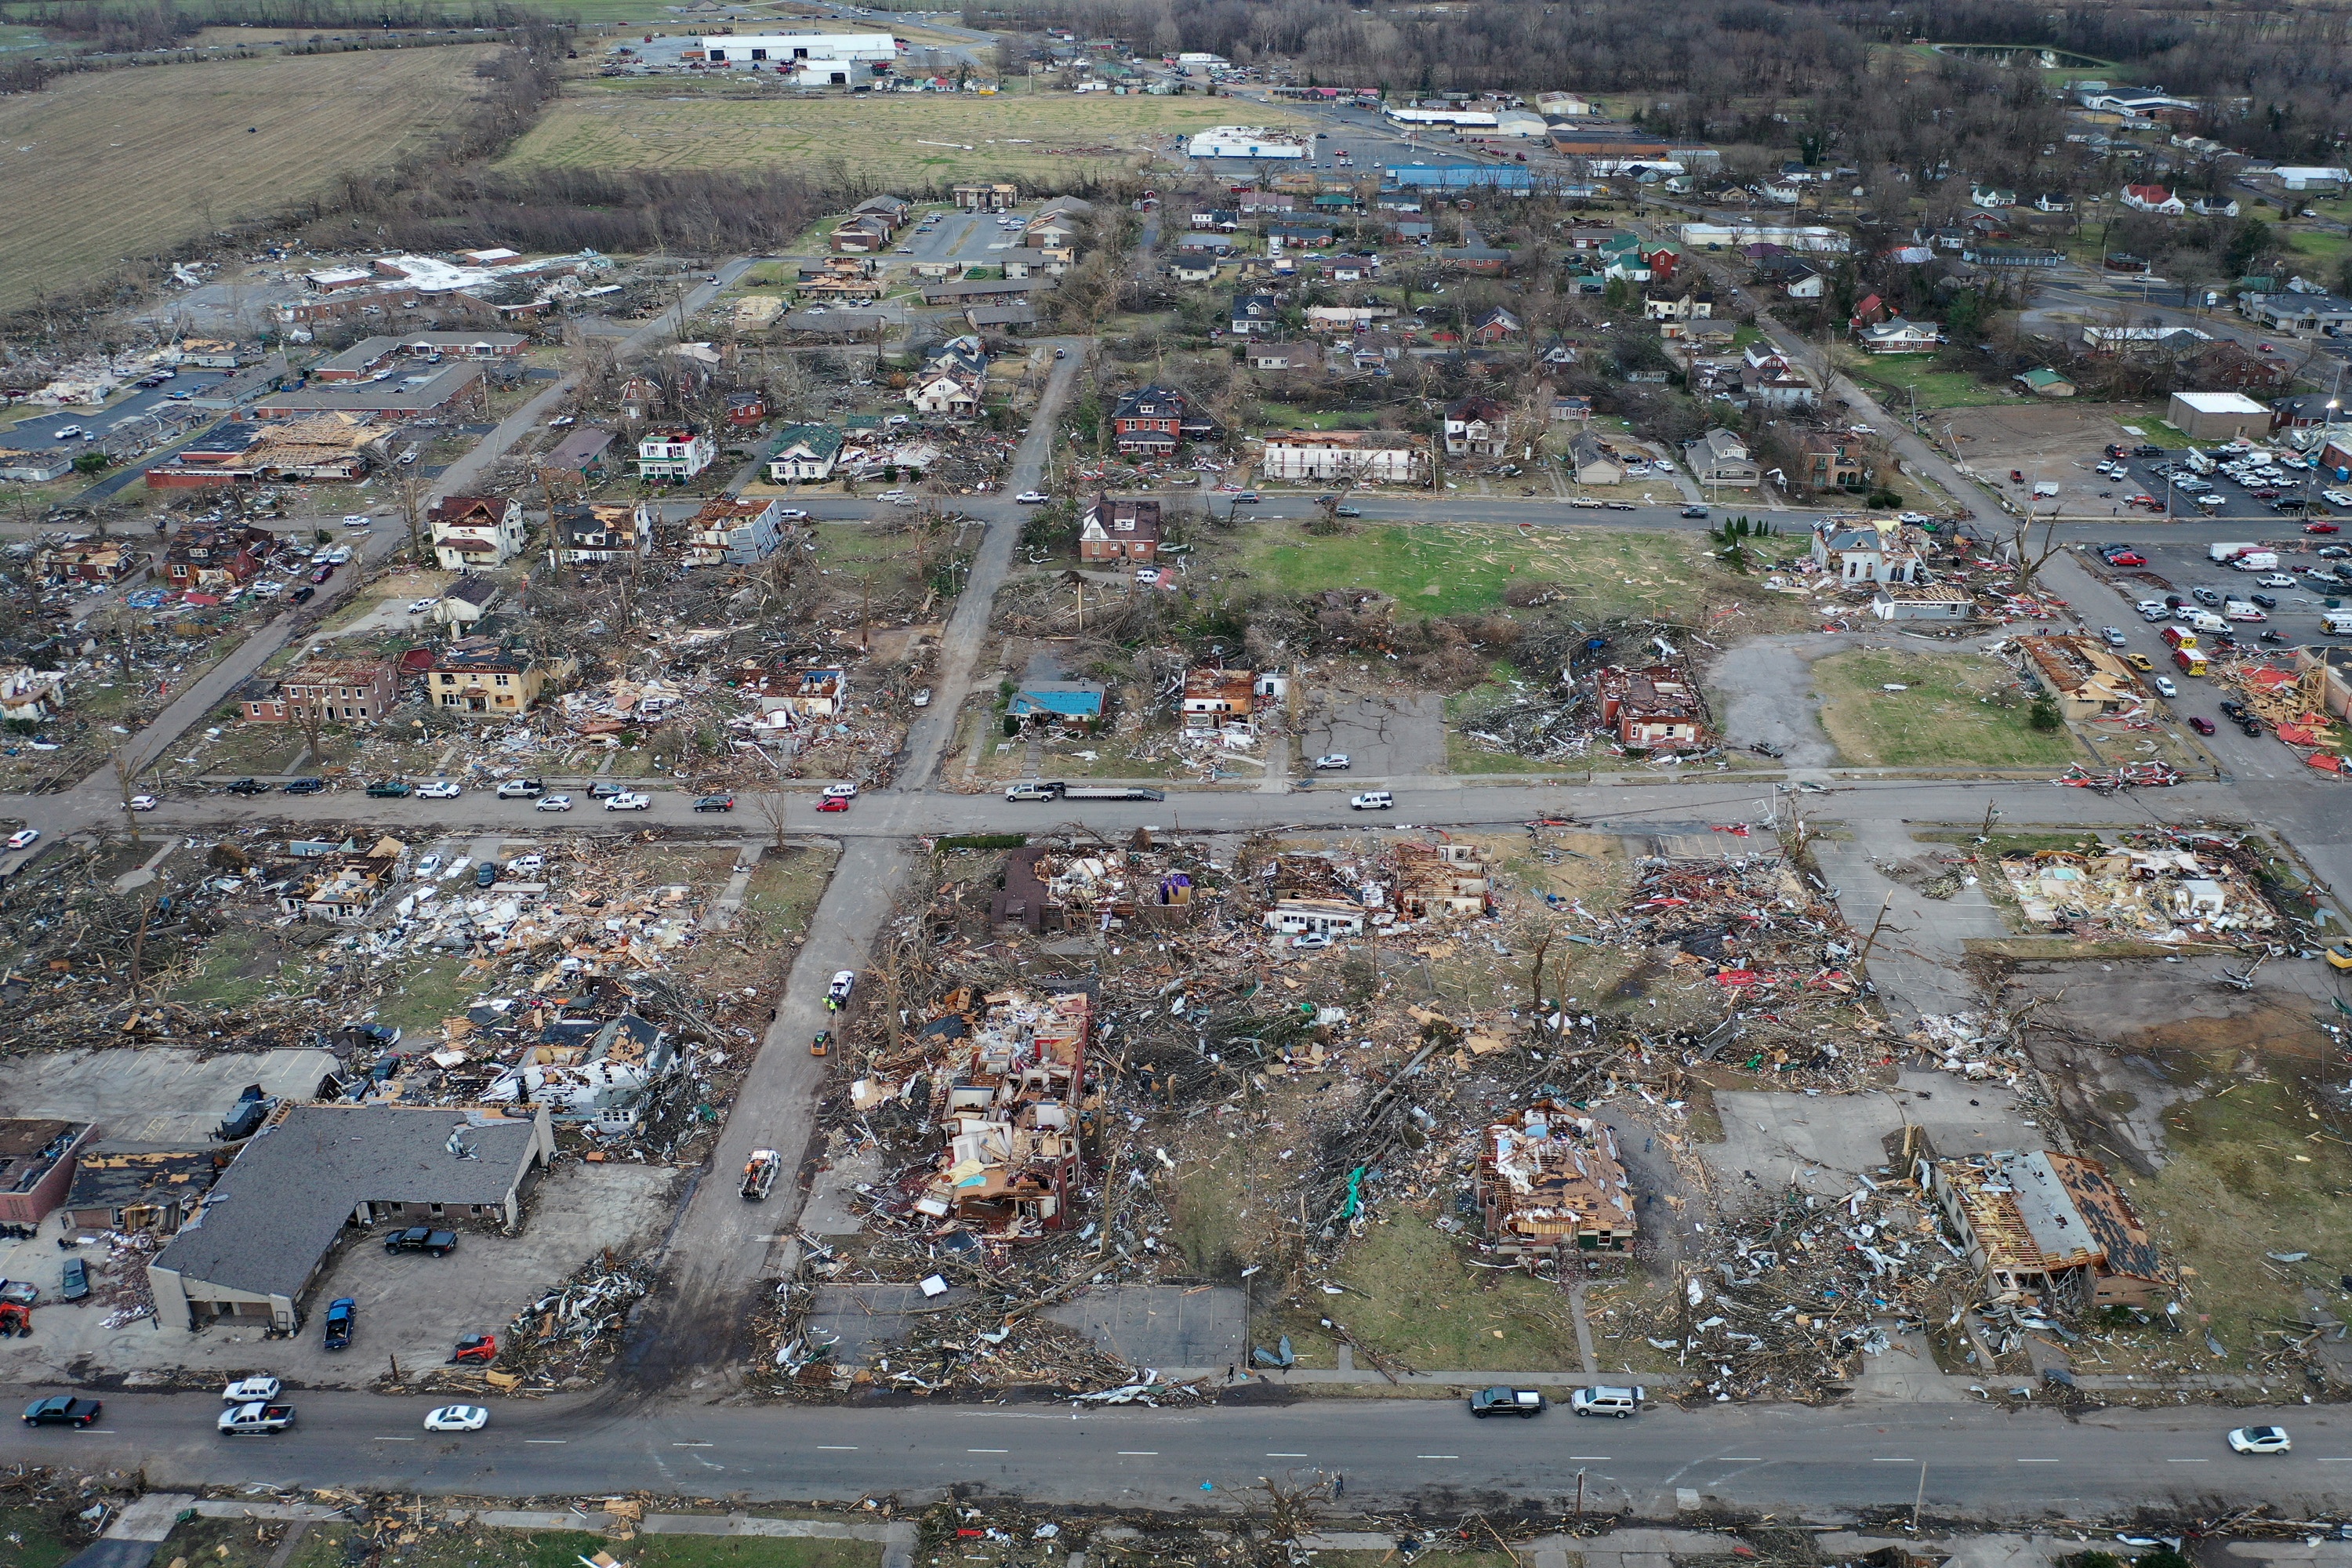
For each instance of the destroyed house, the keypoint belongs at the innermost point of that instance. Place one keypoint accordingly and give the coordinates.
(211, 555)
(1439, 879)
(1009, 1106)
(133, 1187)
(732, 533)
(1121, 529)
(589, 1070)
(256, 1244)
(819, 694)
(2046, 1224)
(1065, 702)
(1216, 698)
(37, 1166)
(1320, 917)
(343, 690)
(2081, 674)
(1656, 708)
(343, 889)
(1866, 551)
(87, 561)
(1549, 1180)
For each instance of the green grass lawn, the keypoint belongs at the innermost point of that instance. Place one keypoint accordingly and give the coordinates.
(228, 974)
(1445, 569)
(1904, 375)
(2325, 246)
(1961, 710)
(1409, 1294)
(29, 1539)
(784, 890)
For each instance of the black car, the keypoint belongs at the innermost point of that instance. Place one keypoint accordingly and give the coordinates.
(422, 1239)
(715, 802)
(606, 790)
(2145, 450)
(1693, 511)
(1766, 749)
(303, 596)
(248, 787)
(343, 1316)
(306, 786)
(61, 1410)
(2232, 708)
(2267, 601)
(2251, 726)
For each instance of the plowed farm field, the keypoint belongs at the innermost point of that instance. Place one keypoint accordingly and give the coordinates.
(113, 165)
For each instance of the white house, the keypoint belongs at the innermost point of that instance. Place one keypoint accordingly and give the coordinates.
(1897, 336)
(804, 453)
(476, 533)
(1368, 457)
(953, 393)
(1991, 199)
(1867, 552)
(2153, 199)
(673, 453)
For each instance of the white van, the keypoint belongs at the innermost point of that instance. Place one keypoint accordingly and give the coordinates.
(2206, 621)
(1372, 800)
(1599, 1401)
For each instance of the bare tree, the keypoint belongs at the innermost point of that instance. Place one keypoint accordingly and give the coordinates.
(775, 811)
(2028, 561)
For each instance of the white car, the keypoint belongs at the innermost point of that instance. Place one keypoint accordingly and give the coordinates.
(2260, 1440)
(1372, 800)
(440, 789)
(836, 995)
(2276, 580)
(427, 865)
(1031, 498)
(554, 803)
(245, 1391)
(144, 803)
(2164, 687)
(356, 520)
(841, 791)
(627, 800)
(458, 1418)
(1148, 576)
(418, 607)
(340, 555)
(526, 866)
(892, 495)
(1334, 763)
(23, 837)
(791, 514)
(1311, 938)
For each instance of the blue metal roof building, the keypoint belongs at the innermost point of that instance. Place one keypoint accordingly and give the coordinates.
(1457, 178)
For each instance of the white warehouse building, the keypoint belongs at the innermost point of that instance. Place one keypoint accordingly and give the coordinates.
(761, 48)
(1245, 142)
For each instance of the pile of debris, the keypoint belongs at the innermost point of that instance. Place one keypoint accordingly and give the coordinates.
(2160, 887)
(562, 1339)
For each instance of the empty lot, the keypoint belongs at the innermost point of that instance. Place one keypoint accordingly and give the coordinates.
(915, 140)
(115, 165)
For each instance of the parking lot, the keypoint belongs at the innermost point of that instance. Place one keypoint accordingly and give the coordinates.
(2177, 568)
(2256, 498)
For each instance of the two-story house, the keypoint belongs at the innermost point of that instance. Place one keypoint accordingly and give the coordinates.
(1720, 458)
(1867, 552)
(1832, 461)
(1148, 421)
(734, 533)
(803, 453)
(476, 533)
(483, 677)
(1256, 314)
(1121, 529)
(1477, 426)
(602, 531)
(214, 556)
(673, 453)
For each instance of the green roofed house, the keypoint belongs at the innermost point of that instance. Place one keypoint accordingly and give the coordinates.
(2045, 383)
(803, 452)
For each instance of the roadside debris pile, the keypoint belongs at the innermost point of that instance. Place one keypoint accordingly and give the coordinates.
(562, 1340)
(2125, 775)
(2157, 886)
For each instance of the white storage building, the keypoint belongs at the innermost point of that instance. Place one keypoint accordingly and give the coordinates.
(1245, 142)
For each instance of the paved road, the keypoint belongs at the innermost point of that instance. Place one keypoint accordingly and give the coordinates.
(1980, 1461)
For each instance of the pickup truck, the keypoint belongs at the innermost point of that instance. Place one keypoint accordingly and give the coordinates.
(248, 787)
(521, 789)
(256, 1420)
(760, 1174)
(1524, 1402)
(343, 1316)
(389, 789)
(1055, 789)
(422, 1239)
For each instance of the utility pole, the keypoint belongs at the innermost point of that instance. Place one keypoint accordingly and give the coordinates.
(1919, 1497)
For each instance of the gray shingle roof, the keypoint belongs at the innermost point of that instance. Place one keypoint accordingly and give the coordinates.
(275, 1211)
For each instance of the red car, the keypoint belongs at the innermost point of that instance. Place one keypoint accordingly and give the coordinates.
(2126, 558)
(835, 804)
(2323, 528)
(323, 572)
(2202, 726)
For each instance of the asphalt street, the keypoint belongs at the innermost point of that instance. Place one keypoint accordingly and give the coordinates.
(1976, 1460)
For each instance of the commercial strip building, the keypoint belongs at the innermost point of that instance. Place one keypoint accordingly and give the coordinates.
(256, 1244)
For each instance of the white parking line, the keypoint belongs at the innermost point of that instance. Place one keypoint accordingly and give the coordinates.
(1286, 1456)
(395, 1439)
(1588, 1455)
(2041, 1461)
(1741, 1459)
(1138, 1453)
(2184, 1461)
(837, 1447)
(988, 1450)
(1894, 1459)
(690, 1445)
(554, 1440)
(1437, 1456)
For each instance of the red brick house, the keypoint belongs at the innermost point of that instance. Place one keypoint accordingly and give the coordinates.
(214, 555)
(1148, 421)
(746, 407)
(1121, 529)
